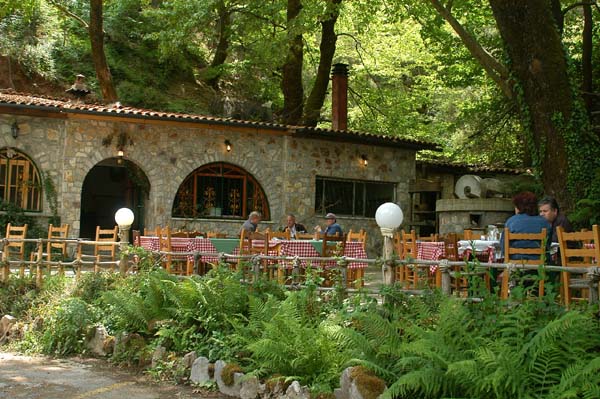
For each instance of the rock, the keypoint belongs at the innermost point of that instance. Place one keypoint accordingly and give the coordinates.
(126, 342)
(6, 323)
(249, 388)
(295, 391)
(345, 382)
(96, 343)
(189, 359)
(158, 355)
(231, 390)
(200, 374)
(359, 383)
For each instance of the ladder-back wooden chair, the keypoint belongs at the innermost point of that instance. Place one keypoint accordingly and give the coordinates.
(280, 235)
(332, 246)
(56, 232)
(408, 249)
(106, 251)
(429, 238)
(151, 232)
(513, 255)
(359, 236)
(173, 263)
(578, 249)
(305, 236)
(215, 234)
(16, 249)
(253, 243)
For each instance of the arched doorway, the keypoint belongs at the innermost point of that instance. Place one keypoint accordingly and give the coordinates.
(112, 184)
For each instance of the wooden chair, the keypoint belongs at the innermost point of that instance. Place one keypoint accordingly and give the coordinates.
(359, 236)
(54, 232)
(280, 235)
(332, 246)
(136, 237)
(180, 234)
(214, 234)
(305, 236)
(510, 252)
(16, 249)
(469, 235)
(151, 233)
(578, 249)
(407, 246)
(109, 250)
(451, 248)
(173, 264)
(253, 243)
(429, 238)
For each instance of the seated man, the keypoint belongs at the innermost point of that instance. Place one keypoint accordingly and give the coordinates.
(549, 210)
(332, 228)
(252, 223)
(293, 227)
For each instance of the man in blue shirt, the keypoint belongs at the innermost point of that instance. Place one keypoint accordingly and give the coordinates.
(332, 229)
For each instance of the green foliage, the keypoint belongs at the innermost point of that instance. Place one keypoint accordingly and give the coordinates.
(294, 345)
(17, 295)
(66, 326)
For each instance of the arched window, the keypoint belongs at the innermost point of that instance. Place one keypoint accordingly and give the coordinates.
(220, 190)
(20, 182)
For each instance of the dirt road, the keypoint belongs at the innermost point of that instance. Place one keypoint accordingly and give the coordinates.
(44, 378)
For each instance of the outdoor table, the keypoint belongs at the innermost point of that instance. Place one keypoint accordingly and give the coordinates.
(313, 249)
(432, 250)
(302, 248)
(486, 251)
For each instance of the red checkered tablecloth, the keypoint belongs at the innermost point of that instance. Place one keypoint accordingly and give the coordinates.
(435, 250)
(306, 249)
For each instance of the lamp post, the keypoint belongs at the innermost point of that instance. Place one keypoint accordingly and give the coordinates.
(388, 217)
(124, 218)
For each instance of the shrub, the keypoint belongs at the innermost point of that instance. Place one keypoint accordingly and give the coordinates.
(66, 327)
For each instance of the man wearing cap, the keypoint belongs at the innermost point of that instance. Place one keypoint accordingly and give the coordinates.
(332, 229)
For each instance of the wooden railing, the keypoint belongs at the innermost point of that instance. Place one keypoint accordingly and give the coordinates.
(127, 264)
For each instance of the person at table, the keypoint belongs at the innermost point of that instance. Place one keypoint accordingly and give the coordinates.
(548, 208)
(332, 228)
(526, 220)
(292, 226)
(252, 223)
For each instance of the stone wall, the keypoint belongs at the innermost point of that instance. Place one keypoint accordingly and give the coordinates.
(68, 148)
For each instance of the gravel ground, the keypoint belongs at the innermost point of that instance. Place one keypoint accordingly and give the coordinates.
(78, 378)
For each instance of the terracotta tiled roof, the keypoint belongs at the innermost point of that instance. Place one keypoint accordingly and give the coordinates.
(466, 167)
(62, 105)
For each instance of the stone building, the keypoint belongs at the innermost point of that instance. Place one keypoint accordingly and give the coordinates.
(436, 208)
(191, 171)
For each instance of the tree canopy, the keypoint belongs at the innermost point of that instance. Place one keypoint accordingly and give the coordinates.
(508, 83)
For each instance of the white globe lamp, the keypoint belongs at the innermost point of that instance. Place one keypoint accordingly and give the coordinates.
(389, 216)
(124, 217)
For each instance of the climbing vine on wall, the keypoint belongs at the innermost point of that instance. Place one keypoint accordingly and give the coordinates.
(52, 198)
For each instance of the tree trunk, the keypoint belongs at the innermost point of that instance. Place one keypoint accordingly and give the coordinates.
(109, 94)
(222, 46)
(316, 98)
(586, 57)
(291, 83)
(538, 63)
(557, 13)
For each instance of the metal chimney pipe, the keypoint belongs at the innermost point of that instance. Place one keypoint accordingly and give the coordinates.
(339, 96)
